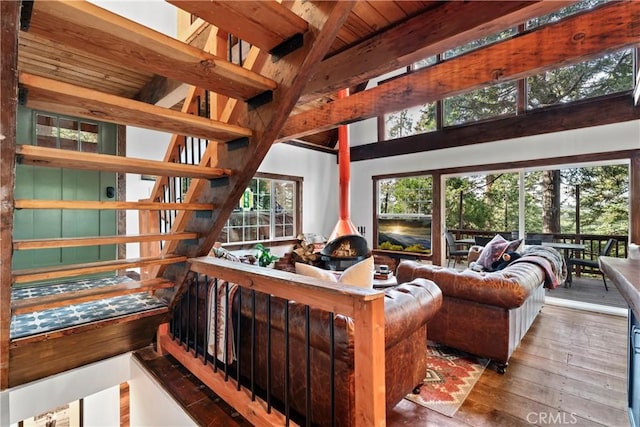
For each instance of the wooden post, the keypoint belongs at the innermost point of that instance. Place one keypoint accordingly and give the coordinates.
(9, 17)
(634, 203)
(370, 364)
(437, 217)
(148, 222)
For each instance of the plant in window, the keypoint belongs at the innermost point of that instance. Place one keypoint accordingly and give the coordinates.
(264, 255)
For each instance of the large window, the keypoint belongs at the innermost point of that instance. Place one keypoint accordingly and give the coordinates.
(610, 73)
(268, 210)
(404, 213)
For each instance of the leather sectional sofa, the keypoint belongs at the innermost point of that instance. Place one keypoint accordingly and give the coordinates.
(407, 308)
(485, 314)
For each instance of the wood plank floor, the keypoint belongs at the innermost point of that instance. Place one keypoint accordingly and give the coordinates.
(570, 369)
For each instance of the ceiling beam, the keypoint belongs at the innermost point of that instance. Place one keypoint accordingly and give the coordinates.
(580, 114)
(58, 97)
(609, 28)
(247, 19)
(85, 26)
(435, 31)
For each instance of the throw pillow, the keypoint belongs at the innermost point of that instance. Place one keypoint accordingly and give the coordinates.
(492, 251)
(359, 274)
(312, 271)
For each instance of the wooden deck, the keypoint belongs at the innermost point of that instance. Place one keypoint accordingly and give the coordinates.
(571, 362)
(590, 290)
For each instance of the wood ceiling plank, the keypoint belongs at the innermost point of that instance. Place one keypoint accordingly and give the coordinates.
(54, 157)
(429, 33)
(610, 28)
(51, 95)
(83, 25)
(263, 23)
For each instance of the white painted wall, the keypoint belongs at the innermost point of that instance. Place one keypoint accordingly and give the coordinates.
(619, 136)
(162, 18)
(89, 382)
(102, 409)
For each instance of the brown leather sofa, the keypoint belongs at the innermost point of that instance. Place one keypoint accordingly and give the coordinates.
(486, 314)
(407, 307)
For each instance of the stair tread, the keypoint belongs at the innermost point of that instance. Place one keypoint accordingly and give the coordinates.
(60, 242)
(55, 157)
(58, 271)
(37, 298)
(23, 325)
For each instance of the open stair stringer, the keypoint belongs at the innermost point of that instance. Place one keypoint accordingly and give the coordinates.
(266, 121)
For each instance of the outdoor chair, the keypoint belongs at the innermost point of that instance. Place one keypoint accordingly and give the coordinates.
(455, 251)
(591, 263)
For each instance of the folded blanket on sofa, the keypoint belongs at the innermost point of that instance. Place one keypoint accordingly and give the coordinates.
(554, 257)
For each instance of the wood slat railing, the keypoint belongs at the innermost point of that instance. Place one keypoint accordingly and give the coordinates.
(71, 242)
(54, 157)
(364, 306)
(72, 270)
(29, 305)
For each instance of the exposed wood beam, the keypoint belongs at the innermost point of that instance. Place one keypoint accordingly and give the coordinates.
(9, 19)
(558, 118)
(53, 157)
(609, 28)
(311, 146)
(325, 20)
(85, 26)
(55, 96)
(248, 19)
(435, 31)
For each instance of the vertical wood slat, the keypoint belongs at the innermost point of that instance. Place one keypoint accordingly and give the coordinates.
(9, 17)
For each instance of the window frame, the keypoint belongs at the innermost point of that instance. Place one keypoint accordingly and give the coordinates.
(297, 182)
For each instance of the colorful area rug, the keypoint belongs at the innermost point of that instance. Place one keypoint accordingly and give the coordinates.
(451, 374)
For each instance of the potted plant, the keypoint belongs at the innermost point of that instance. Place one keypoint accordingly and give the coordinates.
(264, 255)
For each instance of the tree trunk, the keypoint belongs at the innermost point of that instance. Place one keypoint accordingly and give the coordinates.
(551, 201)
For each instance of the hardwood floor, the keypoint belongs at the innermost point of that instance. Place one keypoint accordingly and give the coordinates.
(569, 369)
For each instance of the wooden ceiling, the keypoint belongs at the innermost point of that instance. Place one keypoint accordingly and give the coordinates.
(377, 37)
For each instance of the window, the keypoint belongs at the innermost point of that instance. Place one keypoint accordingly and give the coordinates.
(404, 213)
(65, 133)
(269, 209)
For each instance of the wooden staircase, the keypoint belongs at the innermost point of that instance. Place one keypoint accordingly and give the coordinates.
(232, 114)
